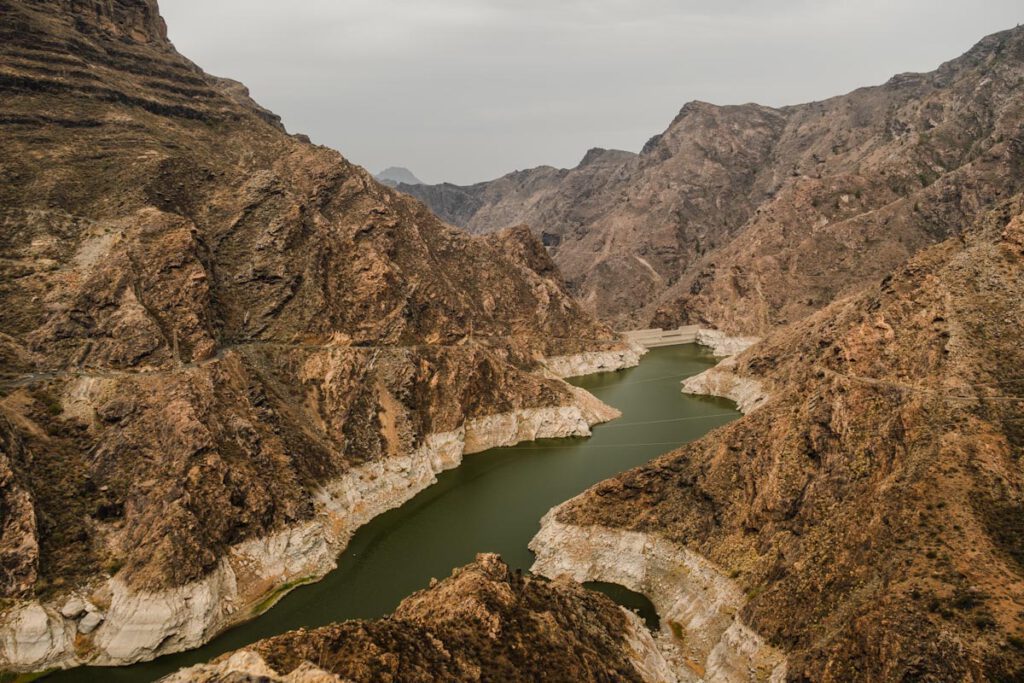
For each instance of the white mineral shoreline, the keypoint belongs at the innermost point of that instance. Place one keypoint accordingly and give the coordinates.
(591, 362)
(112, 624)
(722, 345)
(701, 635)
(721, 380)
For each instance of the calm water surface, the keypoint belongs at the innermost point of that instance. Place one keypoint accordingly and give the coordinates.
(493, 502)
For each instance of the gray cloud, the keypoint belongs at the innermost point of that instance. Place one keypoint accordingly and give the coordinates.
(466, 90)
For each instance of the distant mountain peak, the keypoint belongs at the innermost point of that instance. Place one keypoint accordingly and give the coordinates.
(697, 196)
(396, 175)
(599, 154)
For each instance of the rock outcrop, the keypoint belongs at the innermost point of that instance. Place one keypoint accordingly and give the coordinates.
(222, 348)
(484, 623)
(723, 345)
(580, 364)
(869, 513)
(743, 218)
(723, 380)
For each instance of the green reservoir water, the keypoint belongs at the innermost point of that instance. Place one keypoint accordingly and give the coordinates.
(493, 502)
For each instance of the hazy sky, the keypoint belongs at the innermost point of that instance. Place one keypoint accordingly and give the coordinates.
(466, 90)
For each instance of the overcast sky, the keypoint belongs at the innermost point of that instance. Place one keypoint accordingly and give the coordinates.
(467, 90)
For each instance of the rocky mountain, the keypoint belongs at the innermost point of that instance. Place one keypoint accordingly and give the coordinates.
(862, 522)
(397, 175)
(747, 217)
(484, 623)
(223, 348)
(865, 520)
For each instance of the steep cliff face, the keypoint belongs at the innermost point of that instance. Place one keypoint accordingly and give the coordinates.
(746, 217)
(206, 324)
(483, 623)
(129, 21)
(871, 507)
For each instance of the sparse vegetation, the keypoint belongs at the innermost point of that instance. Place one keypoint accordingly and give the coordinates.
(1005, 523)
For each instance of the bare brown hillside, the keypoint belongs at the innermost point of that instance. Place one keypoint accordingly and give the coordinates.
(872, 507)
(205, 320)
(483, 623)
(747, 217)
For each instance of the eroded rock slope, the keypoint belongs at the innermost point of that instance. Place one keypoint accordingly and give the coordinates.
(747, 217)
(484, 623)
(222, 348)
(866, 519)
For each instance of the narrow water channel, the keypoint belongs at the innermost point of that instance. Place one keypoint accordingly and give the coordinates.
(493, 502)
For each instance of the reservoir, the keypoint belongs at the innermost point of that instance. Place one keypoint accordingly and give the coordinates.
(493, 502)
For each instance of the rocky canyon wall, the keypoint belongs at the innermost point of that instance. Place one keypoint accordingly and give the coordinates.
(222, 348)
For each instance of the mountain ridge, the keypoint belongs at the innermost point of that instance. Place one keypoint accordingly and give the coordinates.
(694, 228)
(869, 505)
(220, 340)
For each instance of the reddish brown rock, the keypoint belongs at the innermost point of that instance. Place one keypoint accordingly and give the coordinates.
(747, 217)
(484, 623)
(205, 321)
(872, 506)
